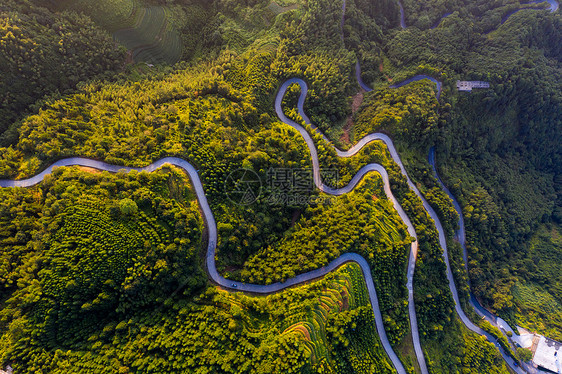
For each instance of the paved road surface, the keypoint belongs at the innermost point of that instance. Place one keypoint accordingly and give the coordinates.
(212, 228)
(360, 174)
(440, 19)
(460, 234)
(402, 17)
(211, 224)
(264, 289)
(419, 77)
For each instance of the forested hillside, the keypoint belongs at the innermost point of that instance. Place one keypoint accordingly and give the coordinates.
(104, 272)
(43, 53)
(102, 267)
(498, 149)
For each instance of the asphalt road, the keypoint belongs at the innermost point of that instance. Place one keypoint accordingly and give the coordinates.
(348, 257)
(461, 237)
(276, 287)
(360, 174)
(212, 231)
(413, 253)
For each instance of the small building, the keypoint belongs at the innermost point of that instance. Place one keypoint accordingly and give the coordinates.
(469, 85)
(549, 355)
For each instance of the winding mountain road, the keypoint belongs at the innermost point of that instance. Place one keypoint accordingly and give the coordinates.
(360, 174)
(413, 253)
(264, 289)
(553, 6)
(212, 228)
(440, 19)
(212, 231)
(348, 257)
(481, 311)
(402, 16)
(460, 235)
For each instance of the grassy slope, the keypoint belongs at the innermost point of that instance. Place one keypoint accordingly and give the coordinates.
(538, 298)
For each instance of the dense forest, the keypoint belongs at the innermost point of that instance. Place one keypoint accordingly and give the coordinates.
(498, 149)
(102, 268)
(507, 181)
(43, 53)
(104, 272)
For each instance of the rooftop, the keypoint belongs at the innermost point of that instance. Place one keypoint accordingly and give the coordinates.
(549, 355)
(469, 85)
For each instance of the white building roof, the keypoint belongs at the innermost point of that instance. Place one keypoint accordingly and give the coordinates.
(469, 85)
(549, 355)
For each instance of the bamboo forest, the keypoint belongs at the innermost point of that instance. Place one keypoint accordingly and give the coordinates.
(280, 186)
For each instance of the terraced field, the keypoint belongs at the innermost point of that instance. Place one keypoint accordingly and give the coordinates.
(534, 305)
(344, 294)
(152, 38)
(111, 14)
(145, 31)
(319, 322)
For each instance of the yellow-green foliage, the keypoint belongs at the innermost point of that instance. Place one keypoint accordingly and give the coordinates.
(113, 14)
(293, 331)
(375, 231)
(364, 222)
(466, 352)
(43, 52)
(480, 356)
(238, 24)
(346, 168)
(279, 7)
(328, 75)
(252, 74)
(153, 38)
(538, 310)
(312, 323)
(150, 33)
(351, 334)
(409, 112)
(84, 262)
(538, 298)
(137, 117)
(494, 331)
(524, 354)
